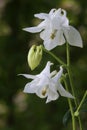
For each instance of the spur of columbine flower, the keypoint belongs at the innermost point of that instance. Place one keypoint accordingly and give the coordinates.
(55, 29)
(46, 84)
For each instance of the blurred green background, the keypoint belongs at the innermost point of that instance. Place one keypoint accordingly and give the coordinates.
(20, 111)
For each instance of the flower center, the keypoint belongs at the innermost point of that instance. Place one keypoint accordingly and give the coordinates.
(44, 91)
(52, 36)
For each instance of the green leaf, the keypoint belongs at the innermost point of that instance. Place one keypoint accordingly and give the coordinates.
(66, 118)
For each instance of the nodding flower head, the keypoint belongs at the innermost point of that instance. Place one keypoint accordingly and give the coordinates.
(46, 84)
(55, 29)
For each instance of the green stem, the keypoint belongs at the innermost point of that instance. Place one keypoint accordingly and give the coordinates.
(70, 78)
(80, 123)
(70, 106)
(69, 71)
(72, 88)
(55, 57)
(68, 54)
(85, 94)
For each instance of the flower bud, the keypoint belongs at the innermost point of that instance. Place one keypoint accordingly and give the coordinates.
(34, 56)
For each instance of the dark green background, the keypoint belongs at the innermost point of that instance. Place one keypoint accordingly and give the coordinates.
(19, 111)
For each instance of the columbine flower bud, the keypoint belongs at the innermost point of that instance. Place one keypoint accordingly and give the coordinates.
(34, 56)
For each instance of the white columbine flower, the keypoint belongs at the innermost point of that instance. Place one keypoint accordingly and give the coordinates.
(55, 29)
(46, 84)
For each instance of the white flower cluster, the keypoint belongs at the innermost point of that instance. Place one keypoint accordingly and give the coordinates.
(54, 31)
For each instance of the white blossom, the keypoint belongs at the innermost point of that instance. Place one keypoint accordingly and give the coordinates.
(55, 29)
(46, 84)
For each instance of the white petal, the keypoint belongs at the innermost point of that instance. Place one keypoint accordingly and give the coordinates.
(46, 70)
(56, 23)
(58, 75)
(52, 43)
(73, 36)
(52, 13)
(43, 80)
(63, 92)
(28, 76)
(46, 34)
(36, 29)
(41, 15)
(33, 29)
(59, 37)
(31, 87)
(65, 22)
(60, 19)
(52, 96)
(49, 44)
(60, 12)
(53, 73)
(40, 92)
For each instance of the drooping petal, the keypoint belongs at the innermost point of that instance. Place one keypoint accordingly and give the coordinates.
(63, 92)
(52, 95)
(73, 36)
(28, 76)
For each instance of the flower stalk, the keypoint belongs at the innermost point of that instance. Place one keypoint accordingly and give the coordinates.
(55, 57)
(71, 83)
(70, 106)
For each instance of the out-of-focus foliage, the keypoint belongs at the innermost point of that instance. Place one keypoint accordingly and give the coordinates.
(19, 111)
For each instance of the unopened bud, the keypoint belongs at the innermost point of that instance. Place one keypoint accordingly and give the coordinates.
(34, 56)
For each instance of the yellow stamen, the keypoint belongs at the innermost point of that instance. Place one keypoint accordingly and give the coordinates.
(53, 34)
(44, 91)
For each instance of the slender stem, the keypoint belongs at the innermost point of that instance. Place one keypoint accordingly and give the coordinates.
(70, 106)
(69, 71)
(80, 123)
(71, 83)
(85, 94)
(68, 54)
(72, 88)
(55, 57)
